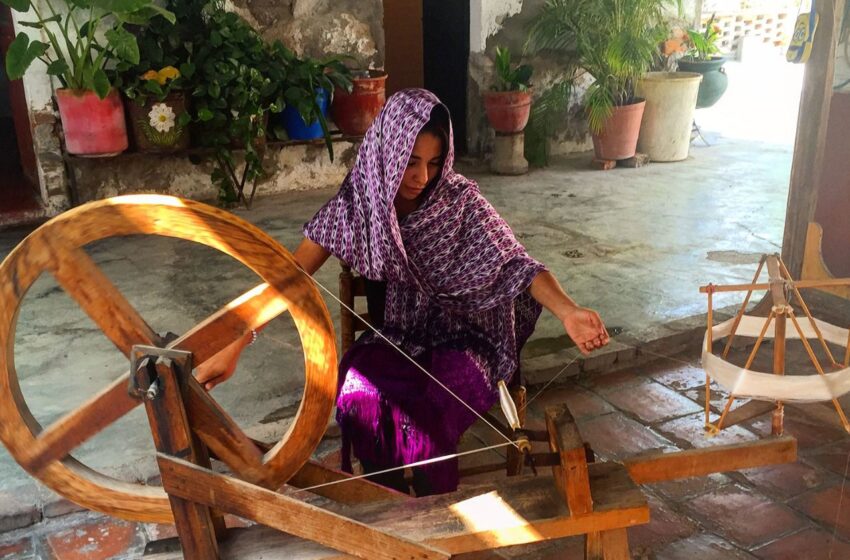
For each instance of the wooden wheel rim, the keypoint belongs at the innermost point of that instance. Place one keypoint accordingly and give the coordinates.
(191, 221)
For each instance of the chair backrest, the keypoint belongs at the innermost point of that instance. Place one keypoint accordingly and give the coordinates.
(351, 286)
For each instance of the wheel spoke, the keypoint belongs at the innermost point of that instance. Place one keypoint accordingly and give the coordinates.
(78, 426)
(223, 436)
(251, 310)
(83, 280)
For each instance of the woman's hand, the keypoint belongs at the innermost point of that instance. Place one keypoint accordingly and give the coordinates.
(585, 327)
(221, 366)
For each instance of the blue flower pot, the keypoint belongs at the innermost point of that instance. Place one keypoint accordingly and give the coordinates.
(295, 126)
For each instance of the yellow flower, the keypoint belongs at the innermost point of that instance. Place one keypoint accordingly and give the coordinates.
(167, 73)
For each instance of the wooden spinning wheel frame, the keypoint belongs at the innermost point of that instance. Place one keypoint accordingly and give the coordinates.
(599, 500)
(57, 248)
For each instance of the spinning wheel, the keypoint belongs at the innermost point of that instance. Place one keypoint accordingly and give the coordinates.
(57, 248)
(597, 499)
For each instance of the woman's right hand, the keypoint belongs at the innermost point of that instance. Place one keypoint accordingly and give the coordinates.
(221, 366)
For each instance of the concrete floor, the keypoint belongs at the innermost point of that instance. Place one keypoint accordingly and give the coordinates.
(633, 243)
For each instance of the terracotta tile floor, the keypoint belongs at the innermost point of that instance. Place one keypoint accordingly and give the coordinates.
(795, 511)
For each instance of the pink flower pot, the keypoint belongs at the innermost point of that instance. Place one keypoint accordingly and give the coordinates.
(619, 136)
(354, 112)
(92, 126)
(507, 111)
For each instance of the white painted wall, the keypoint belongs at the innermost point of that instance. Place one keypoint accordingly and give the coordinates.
(485, 19)
(39, 93)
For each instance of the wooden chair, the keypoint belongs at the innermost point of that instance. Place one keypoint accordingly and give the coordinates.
(351, 285)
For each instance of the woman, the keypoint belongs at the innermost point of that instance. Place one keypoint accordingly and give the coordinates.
(462, 296)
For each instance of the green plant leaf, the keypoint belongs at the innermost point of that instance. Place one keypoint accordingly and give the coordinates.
(187, 70)
(21, 53)
(124, 44)
(120, 6)
(32, 24)
(522, 75)
(144, 15)
(154, 9)
(57, 68)
(100, 83)
(153, 87)
(18, 5)
(205, 115)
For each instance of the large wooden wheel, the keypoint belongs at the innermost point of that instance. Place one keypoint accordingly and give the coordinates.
(57, 248)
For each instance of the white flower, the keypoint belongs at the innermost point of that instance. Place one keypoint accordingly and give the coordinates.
(161, 117)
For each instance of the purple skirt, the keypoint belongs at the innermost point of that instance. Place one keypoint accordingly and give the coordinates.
(392, 414)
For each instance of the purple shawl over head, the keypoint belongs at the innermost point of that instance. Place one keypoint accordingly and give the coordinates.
(455, 273)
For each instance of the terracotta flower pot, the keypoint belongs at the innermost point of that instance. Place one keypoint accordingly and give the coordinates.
(354, 112)
(507, 111)
(619, 136)
(155, 127)
(92, 126)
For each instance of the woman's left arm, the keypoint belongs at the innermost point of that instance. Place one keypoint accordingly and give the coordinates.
(583, 325)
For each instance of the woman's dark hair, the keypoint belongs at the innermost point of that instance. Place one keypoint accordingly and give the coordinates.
(438, 125)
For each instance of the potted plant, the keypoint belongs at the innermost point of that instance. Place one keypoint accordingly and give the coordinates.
(85, 39)
(157, 109)
(509, 102)
(614, 41)
(703, 57)
(354, 110)
(665, 130)
(306, 93)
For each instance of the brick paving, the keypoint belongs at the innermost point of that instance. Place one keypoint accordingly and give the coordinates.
(770, 513)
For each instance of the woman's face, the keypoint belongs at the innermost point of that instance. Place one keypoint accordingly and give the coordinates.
(425, 163)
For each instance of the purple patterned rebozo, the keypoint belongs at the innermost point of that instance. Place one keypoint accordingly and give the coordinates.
(456, 287)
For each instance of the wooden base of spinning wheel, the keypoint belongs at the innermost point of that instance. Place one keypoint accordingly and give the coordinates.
(597, 500)
(361, 519)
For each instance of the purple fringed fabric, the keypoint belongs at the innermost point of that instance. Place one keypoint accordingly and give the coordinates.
(392, 414)
(456, 286)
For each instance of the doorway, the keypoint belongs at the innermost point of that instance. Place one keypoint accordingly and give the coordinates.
(445, 34)
(427, 45)
(19, 184)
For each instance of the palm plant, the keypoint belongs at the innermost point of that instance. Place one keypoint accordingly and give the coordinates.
(613, 40)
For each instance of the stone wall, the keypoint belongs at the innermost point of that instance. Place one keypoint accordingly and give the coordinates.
(309, 27)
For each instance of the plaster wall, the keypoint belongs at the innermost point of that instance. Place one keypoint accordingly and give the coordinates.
(44, 124)
(504, 23)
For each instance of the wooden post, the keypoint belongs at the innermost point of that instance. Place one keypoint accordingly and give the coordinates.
(709, 335)
(172, 436)
(571, 475)
(607, 545)
(781, 309)
(779, 369)
(810, 142)
(346, 317)
(743, 308)
(847, 351)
